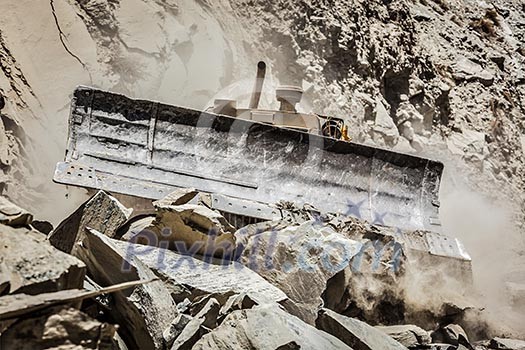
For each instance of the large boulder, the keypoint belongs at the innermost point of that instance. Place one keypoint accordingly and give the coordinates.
(299, 260)
(356, 334)
(189, 228)
(101, 212)
(144, 311)
(267, 327)
(187, 276)
(31, 265)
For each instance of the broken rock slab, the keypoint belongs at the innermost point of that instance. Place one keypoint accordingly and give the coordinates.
(267, 327)
(12, 215)
(299, 260)
(33, 266)
(190, 227)
(354, 333)
(407, 335)
(183, 273)
(101, 212)
(143, 312)
(59, 327)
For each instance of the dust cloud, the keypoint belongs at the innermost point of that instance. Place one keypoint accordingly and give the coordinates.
(486, 224)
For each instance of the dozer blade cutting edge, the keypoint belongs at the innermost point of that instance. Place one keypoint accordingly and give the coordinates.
(148, 149)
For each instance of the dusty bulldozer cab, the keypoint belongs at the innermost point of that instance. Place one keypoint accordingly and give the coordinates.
(287, 115)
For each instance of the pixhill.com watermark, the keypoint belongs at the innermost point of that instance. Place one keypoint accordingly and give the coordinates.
(266, 251)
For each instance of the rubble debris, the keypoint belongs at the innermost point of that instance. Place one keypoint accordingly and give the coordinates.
(58, 328)
(507, 344)
(183, 272)
(143, 312)
(354, 333)
(407, 335)
(33, 266)
(236, 302)
(267, 327)
(12, 215)
(101, 212)
(299, 260)
(190, 227)
(201, 301)
(201, 324)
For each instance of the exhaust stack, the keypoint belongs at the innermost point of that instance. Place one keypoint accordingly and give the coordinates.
(257, 89)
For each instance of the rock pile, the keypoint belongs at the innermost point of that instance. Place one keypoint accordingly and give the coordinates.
(106, 279)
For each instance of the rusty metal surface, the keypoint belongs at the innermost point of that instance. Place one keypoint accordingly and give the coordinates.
(147, 149)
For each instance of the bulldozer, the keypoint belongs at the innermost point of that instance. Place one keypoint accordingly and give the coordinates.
(249, 159)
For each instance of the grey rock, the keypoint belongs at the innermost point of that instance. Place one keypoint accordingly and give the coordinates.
(190, 227)
(33, 266)
(120, 344)
(450, 334)
(101, 212)
(177, 197)
(205, 320)
(384, 125)
(507, 344)
(299, 260)
(465, 69)
(467, 142)
(143, 312)
(59, 327)
(136, 228)
(202, 277)
(441, 346)
(5, 277)
(44, 227)
(202, 301)
(12, 215)
(237, 302)
(407, 335)
(356, 334)
(267, 327)
(175, 329)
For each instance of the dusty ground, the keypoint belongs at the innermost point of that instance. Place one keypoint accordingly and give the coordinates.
(460, 64)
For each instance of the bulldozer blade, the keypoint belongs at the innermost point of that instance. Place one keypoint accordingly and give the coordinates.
(148, 149)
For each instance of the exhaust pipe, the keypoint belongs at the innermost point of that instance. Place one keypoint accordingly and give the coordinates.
(257, 89)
